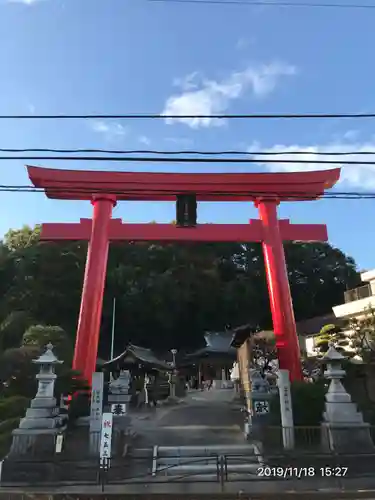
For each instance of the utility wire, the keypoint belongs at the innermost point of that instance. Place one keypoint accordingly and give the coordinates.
(251, 194)
(187, 152)
(155, 116)
(164, 159)
(270, 3)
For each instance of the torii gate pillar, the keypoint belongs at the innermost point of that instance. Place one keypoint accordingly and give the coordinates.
(87, 338)
(284, 324)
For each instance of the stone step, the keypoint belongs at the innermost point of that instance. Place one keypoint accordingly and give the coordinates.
(206, 461)
(190, 460)
(203, 470)
(200, 461)
(208, 450)
(140, 452)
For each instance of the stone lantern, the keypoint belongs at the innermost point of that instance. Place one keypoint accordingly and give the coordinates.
(343, 428)
(42, 422)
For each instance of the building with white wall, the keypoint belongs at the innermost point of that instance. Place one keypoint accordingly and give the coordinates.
(357, 303)
(359, 300)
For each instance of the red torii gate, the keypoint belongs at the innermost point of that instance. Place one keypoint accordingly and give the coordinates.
(104, 189)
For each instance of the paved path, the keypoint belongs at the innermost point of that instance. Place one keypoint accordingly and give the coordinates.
(204, 418)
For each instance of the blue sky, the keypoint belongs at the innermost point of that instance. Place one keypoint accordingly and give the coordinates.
(123, 56)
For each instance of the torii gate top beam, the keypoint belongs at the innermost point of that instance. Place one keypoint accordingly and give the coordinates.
(158, 186)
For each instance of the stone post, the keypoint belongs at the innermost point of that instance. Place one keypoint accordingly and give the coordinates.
(119, 394)
(118, 399)
(173, 376)
(96, 412)
(146, 385)
(286, 409)
(260, 401)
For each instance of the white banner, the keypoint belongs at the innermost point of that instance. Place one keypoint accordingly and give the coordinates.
(96, 411)
(106, 439)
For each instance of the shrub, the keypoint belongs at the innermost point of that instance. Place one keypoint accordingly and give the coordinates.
(12, 407)
(7, 426)
(307, 403)
(79, 406)
(5, 442)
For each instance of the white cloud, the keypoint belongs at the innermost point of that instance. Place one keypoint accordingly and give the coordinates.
(144, 140)
(351, 135)
(180, 141)
(110, 129)
(25, 2)
(200, 96)
(188, 82)
(362, 176)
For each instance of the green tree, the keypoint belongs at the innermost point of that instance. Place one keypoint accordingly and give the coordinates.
(264, 352)
(319, 274)
(39, 336)
(17, 372)
(337, 336)
(167, 295)
(44, 279)
(17, 239)
(363, 337)
(12, 329)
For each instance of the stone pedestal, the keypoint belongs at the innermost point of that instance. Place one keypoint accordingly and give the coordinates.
(343, 428)
(260, 401)
(118, 400)
(172, 380)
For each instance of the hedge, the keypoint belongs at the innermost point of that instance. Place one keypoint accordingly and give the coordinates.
(12, 407)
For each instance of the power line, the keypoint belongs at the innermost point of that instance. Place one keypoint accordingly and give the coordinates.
(165, 159)
(159, 191)
(270, 3)
(154, 116)
(187, 152)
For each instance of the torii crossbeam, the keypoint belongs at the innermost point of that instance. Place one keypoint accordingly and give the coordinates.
(104, 189)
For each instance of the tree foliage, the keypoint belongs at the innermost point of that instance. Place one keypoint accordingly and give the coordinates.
(40, 335)
(166, 295)
(18, 239)
(264, 352)
(336, 335)
(363, 337)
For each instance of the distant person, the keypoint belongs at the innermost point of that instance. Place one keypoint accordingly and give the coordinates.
(235, 377)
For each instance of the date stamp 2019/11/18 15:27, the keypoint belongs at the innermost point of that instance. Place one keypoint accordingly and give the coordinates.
(301, 472)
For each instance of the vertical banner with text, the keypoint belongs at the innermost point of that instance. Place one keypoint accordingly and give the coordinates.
(96, 411)
(106, 440)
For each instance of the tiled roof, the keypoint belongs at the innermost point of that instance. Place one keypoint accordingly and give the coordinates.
(143, 355)
(217, 343)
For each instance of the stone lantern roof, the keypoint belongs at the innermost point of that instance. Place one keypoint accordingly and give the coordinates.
(48, 357)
